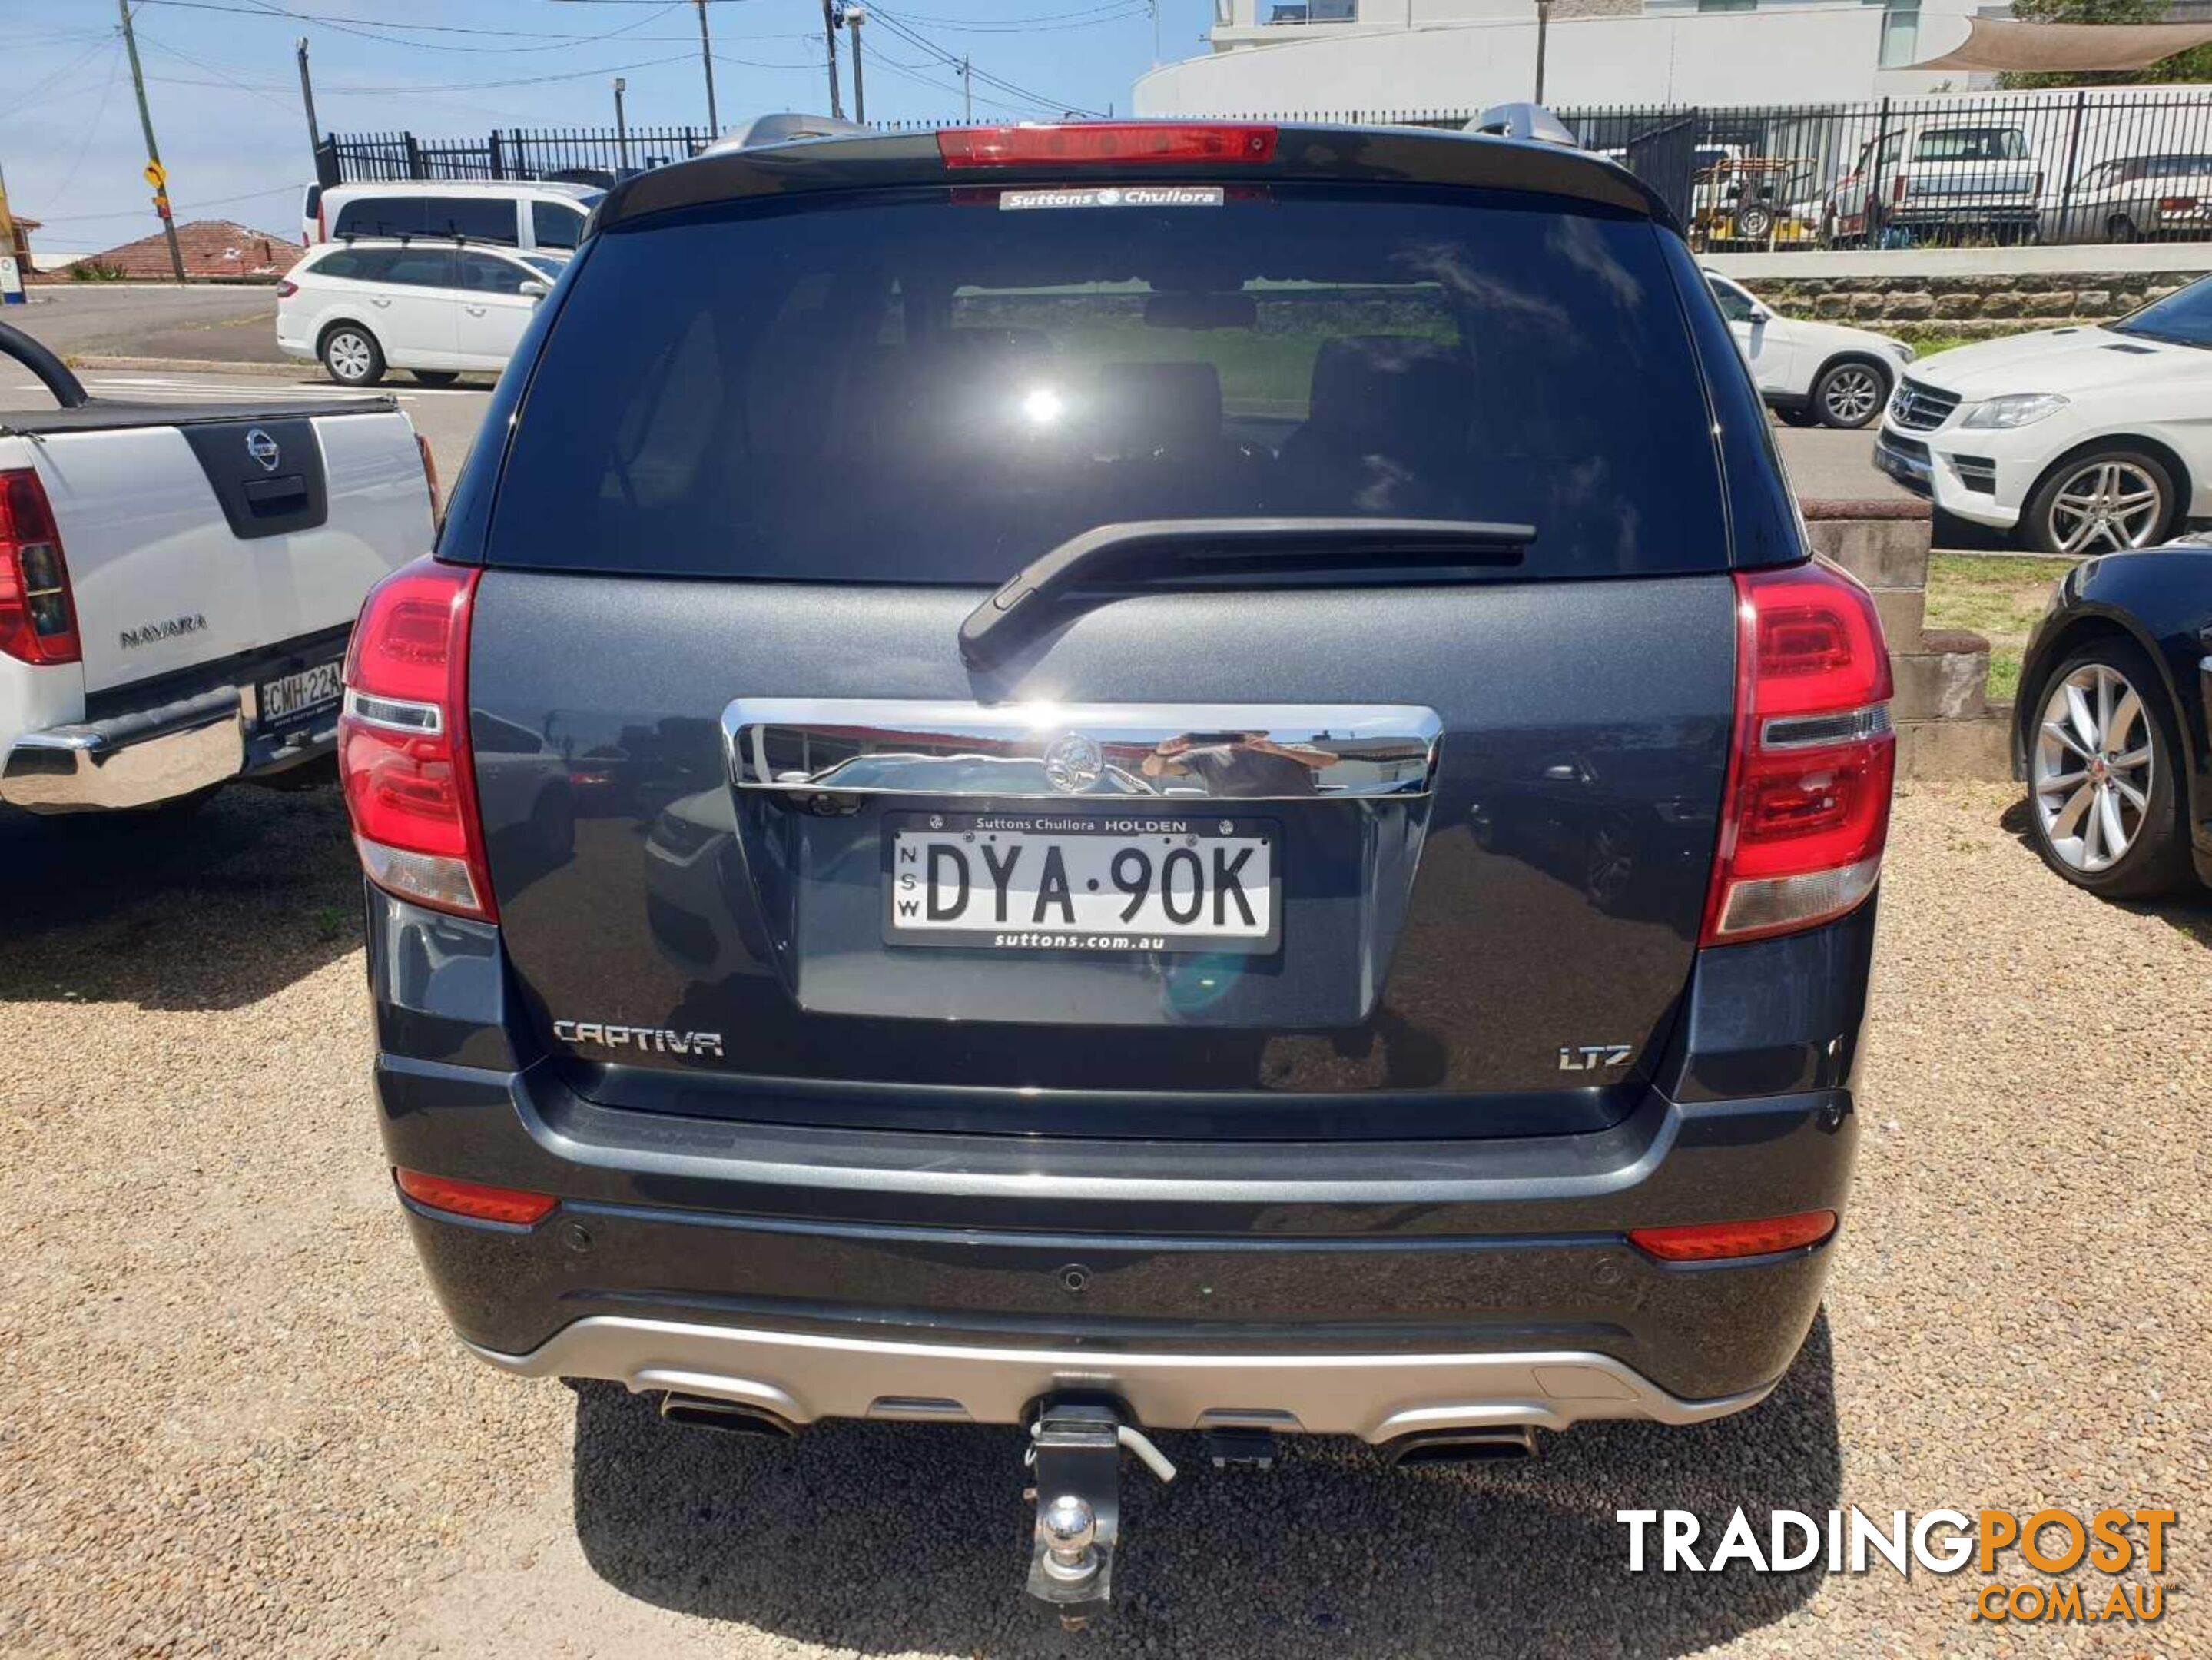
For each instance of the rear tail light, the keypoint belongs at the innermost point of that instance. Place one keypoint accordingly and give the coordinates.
(403, 741)
(1094, 143)
(1713, 1241)
(38, 613)
(1896, 189)
(287, 288)
(2176, 204)
(322, 224)
(1806, 811)
(429, 472)
(475, 1199)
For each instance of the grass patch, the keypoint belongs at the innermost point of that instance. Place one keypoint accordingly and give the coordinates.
(1998, 598)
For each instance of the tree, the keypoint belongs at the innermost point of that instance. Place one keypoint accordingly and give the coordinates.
(2192, 65)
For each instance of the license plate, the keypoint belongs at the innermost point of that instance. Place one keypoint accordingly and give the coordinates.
(290, 696)
(1054, 882)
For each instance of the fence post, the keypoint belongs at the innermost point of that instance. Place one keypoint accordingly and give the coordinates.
(498, 167)
(414, 157)
(1877, 190)
(2073, 155)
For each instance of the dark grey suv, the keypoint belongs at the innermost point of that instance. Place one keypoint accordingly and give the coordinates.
(1127, 778)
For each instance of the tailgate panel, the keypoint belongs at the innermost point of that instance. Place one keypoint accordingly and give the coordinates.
(162, 581)
(1546, 895)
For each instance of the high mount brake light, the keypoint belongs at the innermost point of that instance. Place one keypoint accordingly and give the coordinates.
(38, 612)
(1713, 1241)
(1096, 143)
(1805, 815)
(404, 753)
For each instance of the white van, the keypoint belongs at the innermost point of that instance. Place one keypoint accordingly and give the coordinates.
(519, 214)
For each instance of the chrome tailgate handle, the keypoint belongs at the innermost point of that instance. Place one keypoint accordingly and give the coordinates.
(1050, 751)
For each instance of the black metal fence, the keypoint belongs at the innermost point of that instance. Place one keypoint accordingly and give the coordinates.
(2077, 165)
(584, 155)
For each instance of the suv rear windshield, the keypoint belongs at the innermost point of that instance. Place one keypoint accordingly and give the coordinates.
(934, 387)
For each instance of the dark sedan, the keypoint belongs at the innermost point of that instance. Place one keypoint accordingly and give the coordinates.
(2113, 727)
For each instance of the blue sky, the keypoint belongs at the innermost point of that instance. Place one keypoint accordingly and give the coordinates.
(224, 89)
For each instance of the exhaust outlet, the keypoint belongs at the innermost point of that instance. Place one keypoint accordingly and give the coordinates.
(732, 1418)
(1483, 1446)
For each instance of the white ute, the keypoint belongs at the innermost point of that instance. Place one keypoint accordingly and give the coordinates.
(178, 584)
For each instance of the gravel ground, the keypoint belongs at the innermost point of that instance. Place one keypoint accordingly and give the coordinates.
(231, 1421)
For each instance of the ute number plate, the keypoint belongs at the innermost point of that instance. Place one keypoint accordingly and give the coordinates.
(290, 696)
(1059, 882)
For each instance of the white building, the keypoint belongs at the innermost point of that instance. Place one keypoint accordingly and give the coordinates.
(1379, 56)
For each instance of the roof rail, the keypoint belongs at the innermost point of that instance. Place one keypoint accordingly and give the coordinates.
(783, 127)
(446, 239)
(1531, 121)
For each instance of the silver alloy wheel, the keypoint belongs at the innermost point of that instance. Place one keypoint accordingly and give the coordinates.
(2091, 774)
(348, 355)
(1853, 394)
(2108, 505)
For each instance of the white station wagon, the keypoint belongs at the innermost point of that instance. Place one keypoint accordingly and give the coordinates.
(434, 308)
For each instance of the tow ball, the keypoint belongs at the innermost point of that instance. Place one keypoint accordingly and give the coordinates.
(1075, 1457)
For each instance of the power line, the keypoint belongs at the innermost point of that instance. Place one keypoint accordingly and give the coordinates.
(1029, 94)
(426, 88)
(1090, 17)
(212, 69)
(91, 127)
(187, 207)
(369, 28)
(23, 100)
(909, 72)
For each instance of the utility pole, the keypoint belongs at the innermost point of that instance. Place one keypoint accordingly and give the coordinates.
(307, 98)
(1156, 34)
(854, 16)
(622, 127)
(1543, 29)
(706, 62)
(830, 37)
(157, 175)
(967, 91)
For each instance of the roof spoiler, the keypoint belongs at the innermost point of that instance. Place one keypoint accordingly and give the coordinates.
(787, 125)
(1530, 121)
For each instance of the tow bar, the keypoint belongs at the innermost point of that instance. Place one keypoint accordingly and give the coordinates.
(1075, 1457)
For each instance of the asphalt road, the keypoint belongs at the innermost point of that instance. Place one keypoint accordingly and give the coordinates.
(231, 325)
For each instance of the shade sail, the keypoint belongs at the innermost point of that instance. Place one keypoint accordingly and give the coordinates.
(1997, 43)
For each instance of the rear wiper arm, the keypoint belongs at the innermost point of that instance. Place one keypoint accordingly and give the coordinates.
(989, 631)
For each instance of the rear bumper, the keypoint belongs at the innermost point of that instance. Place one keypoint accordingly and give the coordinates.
(1337, 1287)
(802, 1377)
(144, 744)
(1327, 1285)
(130, 760)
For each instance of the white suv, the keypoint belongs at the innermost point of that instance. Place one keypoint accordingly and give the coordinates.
(436, 308)
(1811, 372)
(2082, 439)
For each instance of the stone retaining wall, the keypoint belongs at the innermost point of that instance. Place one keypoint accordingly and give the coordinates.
(1946, 727)
(2001, 302)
